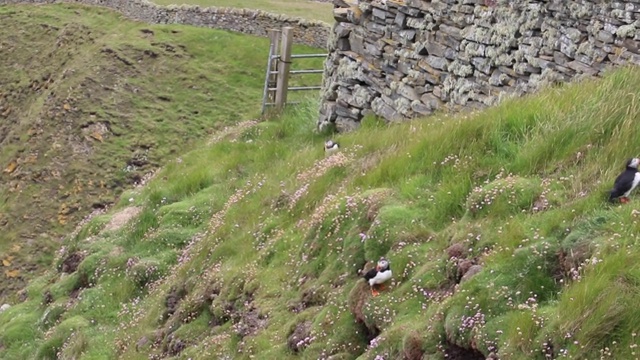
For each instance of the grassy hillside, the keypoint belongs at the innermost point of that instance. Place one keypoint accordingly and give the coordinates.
(495, 223)
(91, 103)
(306, 9)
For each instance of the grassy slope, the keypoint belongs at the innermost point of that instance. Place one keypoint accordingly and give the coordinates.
(91, 103)
(306, 9)
(244, 241)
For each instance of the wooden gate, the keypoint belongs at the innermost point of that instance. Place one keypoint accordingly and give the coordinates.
(276, 83)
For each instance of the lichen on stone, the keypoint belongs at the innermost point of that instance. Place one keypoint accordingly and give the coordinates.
(628, 30)
(617, 13)
(532, 60)
(518, 55)
(362, 96)
(491, 52)
(580, 9)
(472, 49)
(414, 74)
(402, 105)
(588, 48)
(477, 34)
(457, 68)
(594, 27)
(349, 69)
(504, 59)
(419, 24)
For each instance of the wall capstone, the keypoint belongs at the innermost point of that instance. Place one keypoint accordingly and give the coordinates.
(401, 59)
(252, 22)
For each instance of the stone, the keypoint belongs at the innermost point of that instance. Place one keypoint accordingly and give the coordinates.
(343, 44)
(581, 67)
(482, 64)
(341, 14)
(328, 109)
(567, 47)
(415, 23)
(411, 11)
(407, 35)
(356, 43)
(384, 110)
(434, 48)
(473, 271)
(454, 32)
(447, 40)
(407, 91)
(379, 13)
(560, 58)
(432, 78)
(405, 65)
(420, 108)
(544, 63)
(421, 49)
(411, 57)
(298, 340)
(431, 101)
(342, 29)
(376, 28)
(437, 62)
(372, 50)
(605, 36)
(477, 34)
(437, 92)
(631, 45)
(573, 34)
(4, 307)
(346, 124)
(342, 3)
(498, 78)
(361, 97)
(352, 113)
(400, 20)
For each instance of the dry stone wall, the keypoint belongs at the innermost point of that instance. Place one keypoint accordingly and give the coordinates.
(253, 22)
(401, 59)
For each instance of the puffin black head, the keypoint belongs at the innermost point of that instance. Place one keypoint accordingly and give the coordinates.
(383, 265)
(330, 144)
(632, 164)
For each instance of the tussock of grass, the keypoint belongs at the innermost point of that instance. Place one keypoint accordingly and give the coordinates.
(257, 235)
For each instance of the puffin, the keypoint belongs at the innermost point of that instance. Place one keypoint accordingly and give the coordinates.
(331, 147)
(378, 276)
(626, 182)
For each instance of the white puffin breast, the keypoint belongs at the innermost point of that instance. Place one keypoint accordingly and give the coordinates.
(381, 276)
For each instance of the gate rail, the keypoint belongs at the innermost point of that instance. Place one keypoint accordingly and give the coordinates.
(276, 83)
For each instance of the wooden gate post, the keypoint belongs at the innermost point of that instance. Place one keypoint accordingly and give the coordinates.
(284, 67)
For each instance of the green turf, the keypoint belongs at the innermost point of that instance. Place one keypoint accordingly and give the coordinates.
(92, 103)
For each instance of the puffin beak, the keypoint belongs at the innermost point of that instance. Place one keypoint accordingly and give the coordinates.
(377, 267)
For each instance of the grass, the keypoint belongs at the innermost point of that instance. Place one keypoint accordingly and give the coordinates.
(254, 236)
(306, 9)
(96, 104)
(229, 258)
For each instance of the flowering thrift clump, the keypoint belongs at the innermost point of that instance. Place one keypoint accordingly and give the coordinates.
(233, 131)
(504, 196)
(454, 161)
